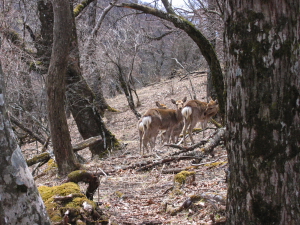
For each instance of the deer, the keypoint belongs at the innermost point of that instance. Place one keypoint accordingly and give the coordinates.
(141, 128)
(175, 135)
(196, 111)
(155, 120)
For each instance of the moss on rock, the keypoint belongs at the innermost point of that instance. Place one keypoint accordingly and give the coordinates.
(57, 209)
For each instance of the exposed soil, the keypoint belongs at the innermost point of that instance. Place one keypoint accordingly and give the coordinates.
(131, 197)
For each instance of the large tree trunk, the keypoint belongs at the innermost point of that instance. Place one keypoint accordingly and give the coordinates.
(83, 105)
(20, 201)
(56, 89)
(80, 98)
(263, 111)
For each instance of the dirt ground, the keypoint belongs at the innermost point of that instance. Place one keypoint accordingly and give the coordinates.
(131, 197)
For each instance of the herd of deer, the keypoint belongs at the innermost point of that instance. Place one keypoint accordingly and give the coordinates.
(172, 122)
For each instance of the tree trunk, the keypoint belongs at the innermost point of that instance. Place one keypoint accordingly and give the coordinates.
(80, 98)
(211, 91)
(20, 201)
(82, 104)
(263, 111)
(100, 101)
(56, 89)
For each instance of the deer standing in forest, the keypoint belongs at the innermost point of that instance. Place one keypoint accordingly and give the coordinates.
(175, 135)
(155, 120)
(141, 128)
(196, 111)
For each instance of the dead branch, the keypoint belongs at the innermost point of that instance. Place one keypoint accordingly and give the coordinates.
(44, 157)
(86, 143)
(40, 139)
(86, 177)
(185, 148)
(209, 146)
(194, 155)
(195, 198)
(66, 198)
(213, 142)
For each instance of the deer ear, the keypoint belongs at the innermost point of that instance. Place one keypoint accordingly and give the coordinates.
(157, 104)
(173, 101)
(184, 99)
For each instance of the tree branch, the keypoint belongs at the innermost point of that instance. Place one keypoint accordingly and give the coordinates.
(202, 42)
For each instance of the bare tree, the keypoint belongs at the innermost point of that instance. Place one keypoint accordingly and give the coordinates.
(197, 36)
(20, 202)
(56, 88)
(263, 111)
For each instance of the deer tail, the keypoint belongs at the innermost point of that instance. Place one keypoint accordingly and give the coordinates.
(146, 121)
(186, 112)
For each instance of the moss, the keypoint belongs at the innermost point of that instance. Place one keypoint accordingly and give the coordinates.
(119, 194)
(111, 109)
(43, 157)
(79, 8)
(181, 177)
(77, 175)
(51, 165)
(56, 210)
(215, 164)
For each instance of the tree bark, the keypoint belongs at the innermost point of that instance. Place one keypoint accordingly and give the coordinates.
(20, 201)
(80, 98)
(56, 89)
(263, 111)
(83, 104)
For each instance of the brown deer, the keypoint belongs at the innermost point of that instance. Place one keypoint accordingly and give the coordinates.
(176, 133)
(160, 119)
(196, 111)
(141, 128)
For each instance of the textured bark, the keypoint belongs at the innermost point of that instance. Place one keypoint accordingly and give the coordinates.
(56, 89)
(263, 111)
(20, 202)
(80, 98)
(90, 57)
(83, 105)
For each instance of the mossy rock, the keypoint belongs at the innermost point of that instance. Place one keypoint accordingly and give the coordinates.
(57, 209)
(180, 178)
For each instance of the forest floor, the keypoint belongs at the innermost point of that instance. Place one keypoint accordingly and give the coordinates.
(130, 197)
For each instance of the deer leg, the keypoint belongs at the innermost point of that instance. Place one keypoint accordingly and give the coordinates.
(186, 124)
(191, 127)
(141, 140)
(145, 140)
(153, 139)
(203, 126)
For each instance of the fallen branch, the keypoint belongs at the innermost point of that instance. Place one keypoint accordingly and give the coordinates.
(86, 177)
(185, 148)
(37, 137)
(45, 157)
(213, 142)
(193, 155)
(195, 198)
(86, 143)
